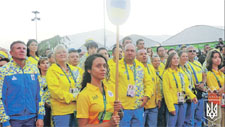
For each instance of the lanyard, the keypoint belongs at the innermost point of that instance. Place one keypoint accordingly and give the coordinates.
(67, 75)
(187, 72)
(148, 69)
(128, 78)
(196, 78)
(104, 100)
(182, 83)
(196, 65)
(217, 79)
(157, 73)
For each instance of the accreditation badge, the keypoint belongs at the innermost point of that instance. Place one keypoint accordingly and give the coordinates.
(180, 97)
(131, 90)
(32, 76)
(74, 90)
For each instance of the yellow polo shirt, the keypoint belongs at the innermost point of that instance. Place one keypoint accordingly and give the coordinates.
(197, 69)
(212, 82)
(90, 104)
(143, 84)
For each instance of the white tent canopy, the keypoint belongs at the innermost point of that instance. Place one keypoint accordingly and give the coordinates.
(196, 34)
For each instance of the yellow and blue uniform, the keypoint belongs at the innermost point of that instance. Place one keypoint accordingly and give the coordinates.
(62, 101)
(197, 70)
(170, 89)
(20, 92)
(44, 86)
(189, 113)
(33, 60)
(151, 109)
(90, 104)
(132, 75)
(175, 81)
(143, 84)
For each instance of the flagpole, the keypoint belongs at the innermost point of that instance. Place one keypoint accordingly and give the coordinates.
(117, 66)
(117, 62)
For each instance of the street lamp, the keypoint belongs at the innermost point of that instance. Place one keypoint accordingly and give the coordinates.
(35, 19)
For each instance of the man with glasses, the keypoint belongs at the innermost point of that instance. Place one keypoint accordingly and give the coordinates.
(199, 81)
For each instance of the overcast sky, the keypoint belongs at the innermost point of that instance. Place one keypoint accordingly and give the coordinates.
(67, 17)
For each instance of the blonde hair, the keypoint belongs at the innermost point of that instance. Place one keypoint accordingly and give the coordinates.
(59, 47)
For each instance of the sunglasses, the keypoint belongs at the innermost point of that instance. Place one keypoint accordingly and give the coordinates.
(192, 51)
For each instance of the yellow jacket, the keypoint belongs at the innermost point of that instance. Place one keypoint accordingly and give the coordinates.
(143, 84)
(152, 102)
(161, 68)
(170, 89)
(212, 82)
(33, 60)
(187, 72)
(62, 101)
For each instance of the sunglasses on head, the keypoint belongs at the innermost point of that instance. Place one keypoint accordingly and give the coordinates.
(192, 51)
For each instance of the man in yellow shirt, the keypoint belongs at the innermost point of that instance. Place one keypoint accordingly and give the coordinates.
(135, 88)
(199, 81)
(112, 61)
(162, 54)
(151, 109)
(162, 107)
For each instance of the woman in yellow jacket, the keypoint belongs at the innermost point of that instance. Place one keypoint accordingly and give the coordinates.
(32, 54)
(215, 82)
(175, 87)
(189, 117)
(95, 101)
(64, 83)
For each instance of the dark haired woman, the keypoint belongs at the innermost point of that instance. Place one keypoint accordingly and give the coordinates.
(32, 46)
(215, 82)
(95, 101)
(43, 67)
(175, 88)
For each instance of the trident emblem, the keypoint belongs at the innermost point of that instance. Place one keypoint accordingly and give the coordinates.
(211, 111)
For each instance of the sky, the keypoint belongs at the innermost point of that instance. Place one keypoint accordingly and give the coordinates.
(68, 17)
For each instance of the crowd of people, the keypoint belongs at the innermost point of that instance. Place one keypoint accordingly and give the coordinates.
(69, 89)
